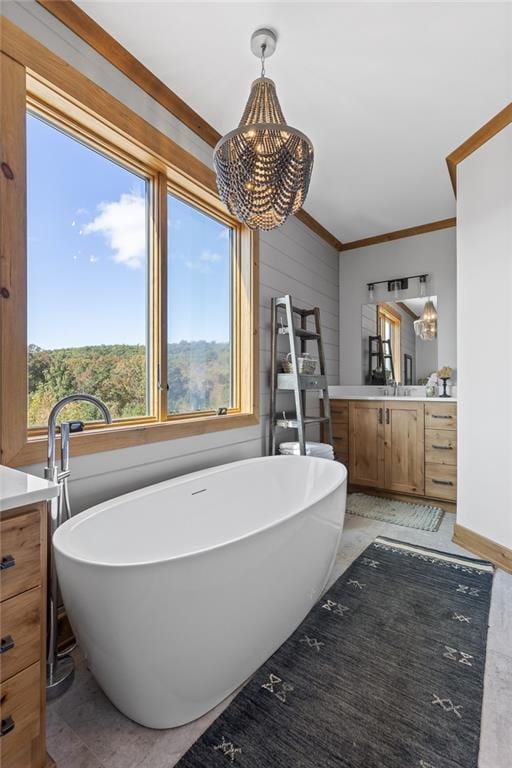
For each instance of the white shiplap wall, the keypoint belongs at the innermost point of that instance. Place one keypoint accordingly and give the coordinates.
(292, 260)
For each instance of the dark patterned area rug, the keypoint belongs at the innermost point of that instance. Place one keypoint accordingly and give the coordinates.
(386, 671)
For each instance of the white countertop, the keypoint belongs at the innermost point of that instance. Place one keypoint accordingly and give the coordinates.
(345, 392)
(18, 489)
(411, 398)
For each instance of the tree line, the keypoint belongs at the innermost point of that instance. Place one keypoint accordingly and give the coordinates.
(199, 375)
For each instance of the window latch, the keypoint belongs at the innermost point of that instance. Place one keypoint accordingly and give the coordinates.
(159, 384)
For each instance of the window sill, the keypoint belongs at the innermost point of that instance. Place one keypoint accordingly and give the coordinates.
(110, 439)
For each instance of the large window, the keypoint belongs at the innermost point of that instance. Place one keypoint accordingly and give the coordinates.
(88, 224)
(199, 310)
(123, 276)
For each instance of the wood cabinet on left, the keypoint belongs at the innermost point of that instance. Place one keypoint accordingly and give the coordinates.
(23, 579)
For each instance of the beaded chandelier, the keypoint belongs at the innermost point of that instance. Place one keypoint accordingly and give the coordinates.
(426, 326)
(264, 166)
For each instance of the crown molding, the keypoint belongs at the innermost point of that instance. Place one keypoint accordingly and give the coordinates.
(421, 229)
(318, 229)
(486, 132)
(107, 46)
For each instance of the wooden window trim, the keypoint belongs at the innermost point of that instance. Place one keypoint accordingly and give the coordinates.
(28, 69)
(387, 311)
(390, 312)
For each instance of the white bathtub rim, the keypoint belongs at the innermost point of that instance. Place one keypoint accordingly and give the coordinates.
(81, 517)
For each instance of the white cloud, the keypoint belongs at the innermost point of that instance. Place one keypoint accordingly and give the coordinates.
(203, 264)
(93, 259)
(223, 234)
(123, 225)
(210, 257)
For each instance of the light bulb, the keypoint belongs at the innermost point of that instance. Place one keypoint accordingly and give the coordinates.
(371, 292)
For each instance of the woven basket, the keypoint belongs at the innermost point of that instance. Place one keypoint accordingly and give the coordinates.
(306, 363)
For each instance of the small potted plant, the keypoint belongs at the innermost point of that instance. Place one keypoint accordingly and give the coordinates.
(444, 374)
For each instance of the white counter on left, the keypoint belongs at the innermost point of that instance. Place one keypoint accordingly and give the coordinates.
(17, 489)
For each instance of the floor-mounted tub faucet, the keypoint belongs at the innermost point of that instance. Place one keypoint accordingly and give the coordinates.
(60, 667)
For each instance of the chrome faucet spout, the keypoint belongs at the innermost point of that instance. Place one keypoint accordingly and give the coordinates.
(51, 466)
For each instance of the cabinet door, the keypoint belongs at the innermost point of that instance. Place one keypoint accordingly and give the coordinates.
(404, 431)
(366, 454)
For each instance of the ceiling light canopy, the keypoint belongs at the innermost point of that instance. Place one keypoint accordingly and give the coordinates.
(264, 166)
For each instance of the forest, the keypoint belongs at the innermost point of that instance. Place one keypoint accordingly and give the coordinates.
(199, 375)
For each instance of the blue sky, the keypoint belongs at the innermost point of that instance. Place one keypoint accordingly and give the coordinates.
(87, 252)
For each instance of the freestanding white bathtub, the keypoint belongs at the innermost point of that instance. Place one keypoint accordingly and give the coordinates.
(178, 592)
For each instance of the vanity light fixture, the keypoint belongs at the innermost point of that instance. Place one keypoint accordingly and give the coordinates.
(397, 284)
(264, 166)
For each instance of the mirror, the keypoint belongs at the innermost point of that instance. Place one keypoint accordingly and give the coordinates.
(399, 341)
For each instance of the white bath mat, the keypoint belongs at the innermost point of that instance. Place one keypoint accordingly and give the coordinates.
(404, 513)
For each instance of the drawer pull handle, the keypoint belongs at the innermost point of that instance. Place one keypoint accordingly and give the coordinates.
(7, 726)
(8, 561)
(442, 482)
(438, 416)
(6, 643)
(380, 415)
(443, 447)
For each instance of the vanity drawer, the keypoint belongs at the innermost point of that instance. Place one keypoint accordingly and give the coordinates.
(20, 632)
(20, 553)
(441, 415)
(441, 446)
(441, 481)
(20, 701)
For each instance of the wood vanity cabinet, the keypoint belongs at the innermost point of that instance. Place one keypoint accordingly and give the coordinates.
(387, 445)
(401, 446)
(404, 447)
(441, 450)
(366, 440)
(339, 423)
(23, 637)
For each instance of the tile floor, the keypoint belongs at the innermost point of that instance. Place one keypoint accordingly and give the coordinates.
(86, 731)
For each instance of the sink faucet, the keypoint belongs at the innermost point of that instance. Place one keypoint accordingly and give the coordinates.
(60, 666)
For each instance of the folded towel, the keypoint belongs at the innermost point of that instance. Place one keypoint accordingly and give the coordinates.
(318, 450)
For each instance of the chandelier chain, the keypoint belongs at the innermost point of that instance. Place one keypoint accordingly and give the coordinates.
(263, 49)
